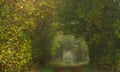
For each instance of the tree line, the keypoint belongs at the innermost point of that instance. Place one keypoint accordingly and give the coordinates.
(27, 31)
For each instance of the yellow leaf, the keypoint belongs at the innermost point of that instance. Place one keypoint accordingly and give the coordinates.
(16, 18)
(21, 7)
(0, 56)
(3, 51)
(24, 0)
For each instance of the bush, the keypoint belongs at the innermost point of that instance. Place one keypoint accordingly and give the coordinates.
(16, 24)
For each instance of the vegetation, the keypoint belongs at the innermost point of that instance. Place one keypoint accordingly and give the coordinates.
(18, 22)
(15, 29)
(40, 33)
(43, 34)
(96, 21)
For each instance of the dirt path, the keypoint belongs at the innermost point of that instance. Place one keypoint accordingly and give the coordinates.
(70, 68)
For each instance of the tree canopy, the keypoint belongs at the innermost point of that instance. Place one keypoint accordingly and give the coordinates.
(96, 20)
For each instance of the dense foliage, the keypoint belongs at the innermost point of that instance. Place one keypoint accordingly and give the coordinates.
(27, 32)
(64, 43)
(42, 38)
(98, 21)
(21, 23)
(16, 24)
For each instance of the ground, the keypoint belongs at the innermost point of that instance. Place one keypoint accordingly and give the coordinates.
(61, 67)
(68, 69)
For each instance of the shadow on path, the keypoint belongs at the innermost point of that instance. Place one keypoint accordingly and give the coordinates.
(68, 69)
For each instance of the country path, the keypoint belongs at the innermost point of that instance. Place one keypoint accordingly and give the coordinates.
(68, 69)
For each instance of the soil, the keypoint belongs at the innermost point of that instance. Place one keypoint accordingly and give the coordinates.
(70, 68)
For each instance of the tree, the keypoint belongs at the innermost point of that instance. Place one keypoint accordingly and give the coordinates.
(43, 34)
(66, 43)
(63, 43)
(94, 20)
